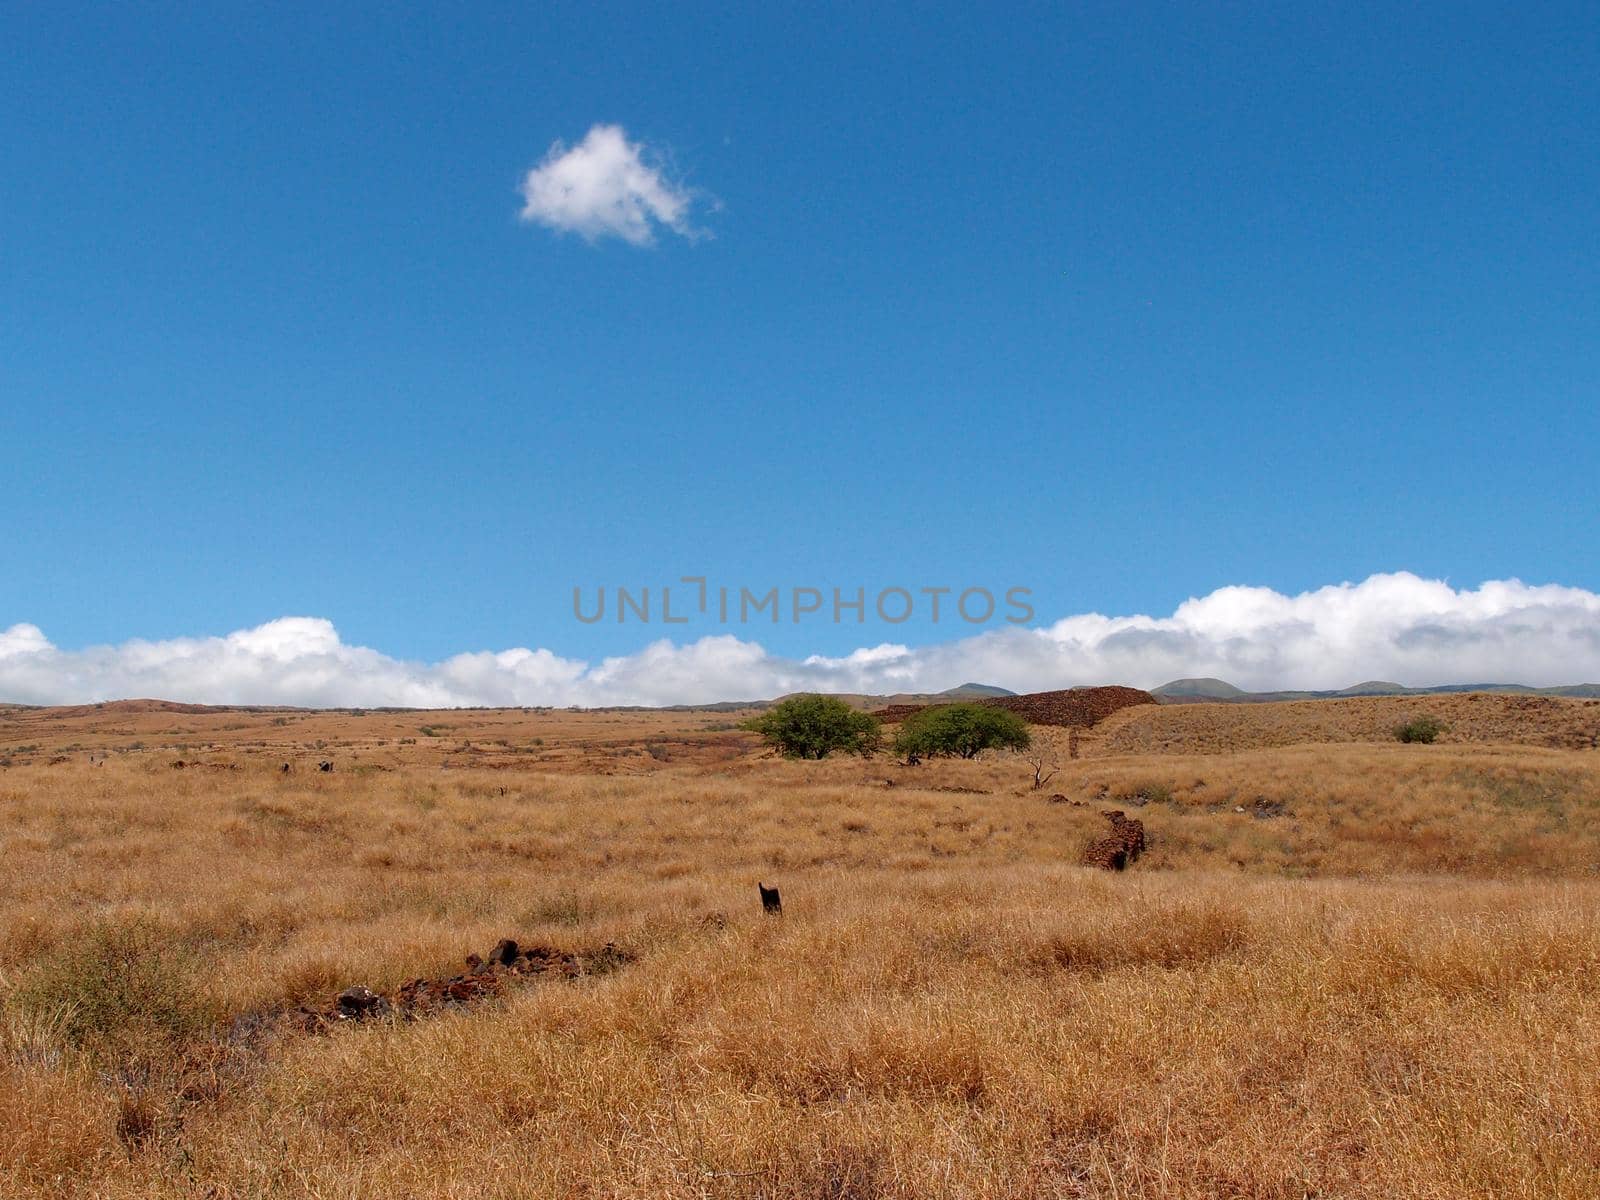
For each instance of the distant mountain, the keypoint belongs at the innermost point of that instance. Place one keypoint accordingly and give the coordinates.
(1588, 691)
(968, 691)
(1194, 691)
(1375, 687)
(1199, 689)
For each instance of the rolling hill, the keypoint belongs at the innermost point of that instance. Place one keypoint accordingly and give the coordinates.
(1219, 691)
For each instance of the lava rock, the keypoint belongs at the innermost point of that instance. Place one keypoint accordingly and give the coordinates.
(358, 1003)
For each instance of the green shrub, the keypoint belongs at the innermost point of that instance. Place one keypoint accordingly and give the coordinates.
(119, 989)
(1152, 793)
(1420, 729)
(816, 726)
(961, 730)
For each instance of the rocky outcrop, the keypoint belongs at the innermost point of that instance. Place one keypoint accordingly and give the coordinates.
(1120, 848)
(1078, 708)
(507, 965)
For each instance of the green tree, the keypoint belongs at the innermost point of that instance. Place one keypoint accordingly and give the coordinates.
(816, 726)
(962, 730)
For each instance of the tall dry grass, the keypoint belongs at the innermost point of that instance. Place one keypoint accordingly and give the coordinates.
(1387, 987)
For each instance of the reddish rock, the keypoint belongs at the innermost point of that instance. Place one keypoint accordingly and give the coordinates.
(1118, 849)
(486, 980)
(1072, 707)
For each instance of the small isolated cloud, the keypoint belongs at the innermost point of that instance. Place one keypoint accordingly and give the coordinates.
(1397, 627)
(605, 187)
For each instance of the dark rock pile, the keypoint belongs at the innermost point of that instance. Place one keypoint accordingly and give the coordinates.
(1072, 707)
(507, 964)
(1119, 848)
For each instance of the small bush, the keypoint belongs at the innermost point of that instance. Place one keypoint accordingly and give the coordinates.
(961, 730)
(1151, 793)
(119, 989)
(816, 726)
(1420, 729)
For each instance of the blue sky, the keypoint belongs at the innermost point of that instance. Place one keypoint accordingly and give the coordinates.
(1125, 304)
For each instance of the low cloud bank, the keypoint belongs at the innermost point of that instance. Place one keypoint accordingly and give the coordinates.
(1395, 627)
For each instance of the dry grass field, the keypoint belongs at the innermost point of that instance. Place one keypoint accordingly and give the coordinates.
(1345, 968)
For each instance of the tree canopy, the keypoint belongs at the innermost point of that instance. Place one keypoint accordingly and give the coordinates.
(962, 730)
(816, 726)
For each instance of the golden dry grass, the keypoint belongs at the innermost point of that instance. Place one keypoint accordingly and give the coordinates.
(1383, 985)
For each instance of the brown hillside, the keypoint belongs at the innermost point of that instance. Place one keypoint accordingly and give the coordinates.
(1476, 717)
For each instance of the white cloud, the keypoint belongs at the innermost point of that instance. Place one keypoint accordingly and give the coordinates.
(1397, 627)
(604, 187)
